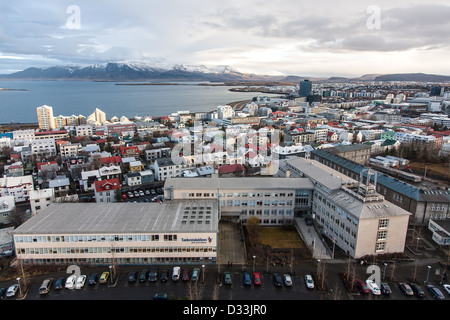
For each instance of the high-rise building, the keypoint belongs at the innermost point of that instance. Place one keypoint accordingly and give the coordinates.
(45, 117)
(98, 117)
(305, 88)
(437, 91)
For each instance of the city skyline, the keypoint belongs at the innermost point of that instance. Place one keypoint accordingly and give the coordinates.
(283, 38)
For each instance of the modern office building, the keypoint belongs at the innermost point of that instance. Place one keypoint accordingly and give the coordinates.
(351, 213)
(274, 201)
(305, 88)
(174, 232)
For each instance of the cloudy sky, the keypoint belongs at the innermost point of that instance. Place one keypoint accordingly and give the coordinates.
(291, 37)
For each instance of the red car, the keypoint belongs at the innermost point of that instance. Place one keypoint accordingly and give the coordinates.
(362, 286)
(185, 276)
(256, 279)
(124, 196)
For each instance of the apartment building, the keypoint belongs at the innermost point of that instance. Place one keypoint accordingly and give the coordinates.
(274, 201)
(45, 117)
(84, 131)
(175, 232)
(43, 147)
(18, 187)
(70, 150)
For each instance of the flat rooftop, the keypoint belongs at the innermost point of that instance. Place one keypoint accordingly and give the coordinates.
(124, 218)
(214, 182)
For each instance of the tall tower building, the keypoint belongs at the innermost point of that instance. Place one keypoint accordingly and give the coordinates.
(45, 117)
(305, 88)
(98, 117)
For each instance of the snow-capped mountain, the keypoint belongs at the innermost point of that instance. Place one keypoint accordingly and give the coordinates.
(134, 71)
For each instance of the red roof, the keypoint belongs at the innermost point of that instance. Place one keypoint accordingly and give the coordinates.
(114, 159)
(107, 185)
(231, 168)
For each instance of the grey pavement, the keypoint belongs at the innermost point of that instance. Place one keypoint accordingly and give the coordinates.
(312, 239)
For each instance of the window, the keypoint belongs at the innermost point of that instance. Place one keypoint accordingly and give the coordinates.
(383, 223)
(381, 235)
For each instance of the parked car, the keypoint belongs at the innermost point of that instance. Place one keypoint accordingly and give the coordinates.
(12, 290)
(124, 196)
(141, 193)
(147, 192)
(362, 286)
(195, 274)
(277, 281)
(435, 292)
(153, 191)
(70, 282)
(185, 275)
(132, 276)
(176, 273)
(81, 280)
(256, 278)
(309, 281)
(287, 279)
(130, 194)
(45, 286)
(164, 276)
(418, 292)
(104, 277)
(405, 289)
(59, 283)
(373, 287)
(143, 275)
(247, 281)
(160, 296)
(93, 279)
(227, 277)
(7, 253)
(385, 288)
(153, 274)
(447, 288)
(136, 194)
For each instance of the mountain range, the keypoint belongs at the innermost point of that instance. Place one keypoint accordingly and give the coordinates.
(142, 71)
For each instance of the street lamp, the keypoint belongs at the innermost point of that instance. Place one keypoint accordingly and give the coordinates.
(110, 274)
(428, 273)
(203, 273)
(417, 244)
(20, 289)
(254, 257)
(384, 272)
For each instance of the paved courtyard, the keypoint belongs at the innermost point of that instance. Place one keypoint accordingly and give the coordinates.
(231, 247)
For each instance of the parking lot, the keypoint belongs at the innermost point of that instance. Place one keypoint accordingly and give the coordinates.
(211, 286)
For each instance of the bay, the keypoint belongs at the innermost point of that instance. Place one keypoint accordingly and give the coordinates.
(82, 97)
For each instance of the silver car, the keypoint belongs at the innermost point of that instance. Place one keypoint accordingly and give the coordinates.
(309, 281)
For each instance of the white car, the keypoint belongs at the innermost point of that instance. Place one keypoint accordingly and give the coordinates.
(309, 281)
(373, 287)
(141, 193)
(80, 282)
(12, 290)
(447, 288)
(70, 282)
(287, 280)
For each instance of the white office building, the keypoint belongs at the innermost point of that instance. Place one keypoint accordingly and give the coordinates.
(175, 232)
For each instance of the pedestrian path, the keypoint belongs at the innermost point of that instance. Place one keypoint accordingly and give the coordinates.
(312, 239)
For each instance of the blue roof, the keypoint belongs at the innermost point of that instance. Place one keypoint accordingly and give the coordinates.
(389, 182)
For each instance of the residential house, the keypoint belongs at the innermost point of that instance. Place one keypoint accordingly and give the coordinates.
(107, 190)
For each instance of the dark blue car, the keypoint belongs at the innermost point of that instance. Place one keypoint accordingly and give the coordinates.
(247, 279)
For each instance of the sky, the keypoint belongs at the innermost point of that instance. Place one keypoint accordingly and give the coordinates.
(282, 37)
